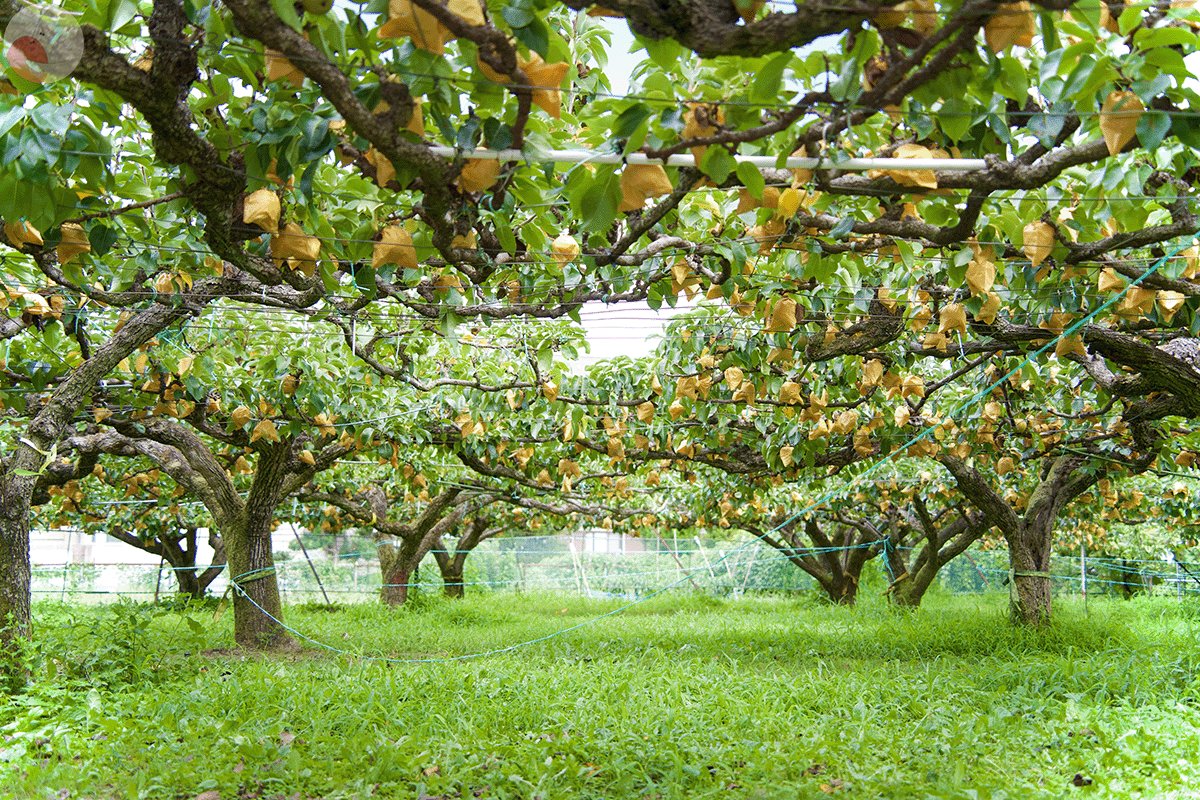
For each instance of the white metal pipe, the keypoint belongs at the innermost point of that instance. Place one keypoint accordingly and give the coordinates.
(688, 160)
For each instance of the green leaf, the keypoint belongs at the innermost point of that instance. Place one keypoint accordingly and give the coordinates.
(517, 17)
(508, 239)
(630, 120)
(955, 118)
(664, 52)
(10, 118)
(1130, 18)
(1046, 127)
(1187, 130)
(767, 82)
(752, 179)
(101, 238)
(842, 229)
(717, 164)
(599, 208)
(1152, 127)
(1148, 38)
(535, 36)
(286, 9)
(120, 12)
(1014, 83)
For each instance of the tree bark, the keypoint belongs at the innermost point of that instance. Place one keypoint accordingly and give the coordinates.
(46, 429)
(245, 525)
(842, 590)
(451, 565)
(942, 542)
(14, 580)
(396, 566)
(1030, 535)
(180, 552)
(452, 580)
(205, 578)
(257, 610)
(1029, 565)
(188, 583)
(910, 591)
(194, 582)
(836, 571)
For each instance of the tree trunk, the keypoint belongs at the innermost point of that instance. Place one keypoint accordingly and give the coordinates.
(395, 564)
(451, 565)
(257, 611)
(189, 584)
(16, 491)
(183, 563)
(14, 579)
(452, 582)
(909, 591)
(1129, 579)
(841, 590)
(1029, 565)
(913, 580)
(942, 544)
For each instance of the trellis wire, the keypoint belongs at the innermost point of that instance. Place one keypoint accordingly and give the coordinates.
(1137, 573)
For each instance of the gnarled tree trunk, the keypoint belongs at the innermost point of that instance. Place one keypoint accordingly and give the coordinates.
(397, 563)
(943, 541)
(835, 561)
(451, 568)
(453, 564)
(1030, 536)
(841, 589)
(1029, 571)
(46, 428)
(180, 552)
(14, 578)
(245, 525)
(194, 582)
(258, 617)
(910, 591)
(452, 579)
(403, 545)
(257, 610)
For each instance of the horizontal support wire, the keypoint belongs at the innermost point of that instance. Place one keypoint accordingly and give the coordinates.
(1145, 576)
(582, 156)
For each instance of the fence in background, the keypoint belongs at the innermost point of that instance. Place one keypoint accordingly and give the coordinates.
(559, 563)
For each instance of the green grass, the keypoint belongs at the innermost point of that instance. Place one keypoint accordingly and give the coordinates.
(678, 697)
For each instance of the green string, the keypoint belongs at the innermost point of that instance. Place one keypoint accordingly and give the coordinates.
(253, 575)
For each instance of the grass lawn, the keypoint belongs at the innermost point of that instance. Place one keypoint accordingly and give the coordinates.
(681, 696)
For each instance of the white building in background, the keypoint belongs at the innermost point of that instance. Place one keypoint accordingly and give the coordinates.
(59, 546)
(69, 561)
(600, 540)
